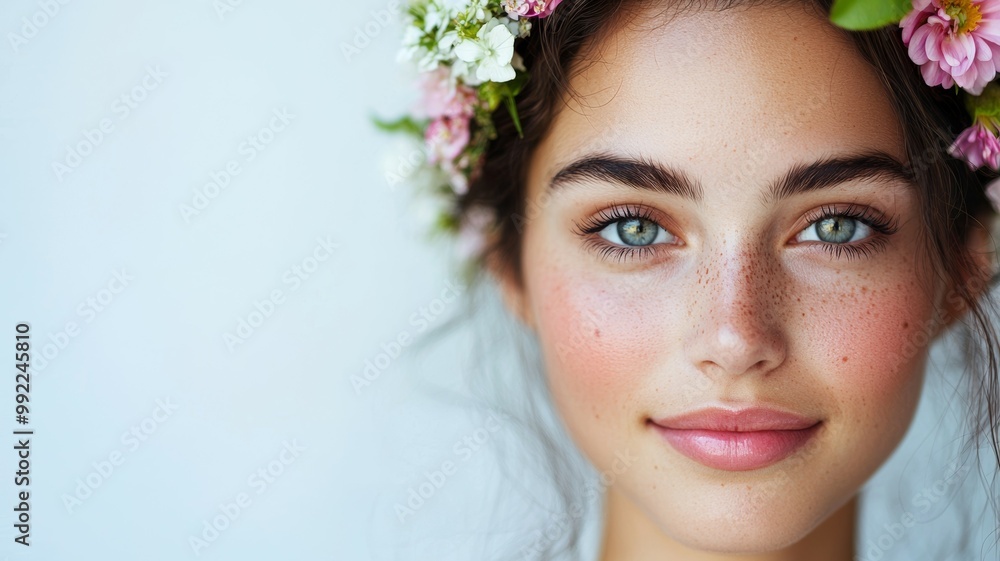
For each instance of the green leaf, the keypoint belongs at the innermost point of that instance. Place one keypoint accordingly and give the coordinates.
(491, 93)
(446, 222)
(860, 15)
(405, 124)
(517, 84)
(512, 108)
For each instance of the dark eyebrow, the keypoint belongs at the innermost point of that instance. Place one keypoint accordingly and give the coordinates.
(872, 166)
(643, 173)
(640, 173)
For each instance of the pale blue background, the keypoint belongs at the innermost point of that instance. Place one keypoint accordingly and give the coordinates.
(162, 336)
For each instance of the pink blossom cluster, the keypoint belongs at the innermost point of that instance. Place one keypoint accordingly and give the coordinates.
(451, 106)
(957, 42)
(978, 146)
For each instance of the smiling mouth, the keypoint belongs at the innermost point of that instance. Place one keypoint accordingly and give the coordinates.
(740, 440)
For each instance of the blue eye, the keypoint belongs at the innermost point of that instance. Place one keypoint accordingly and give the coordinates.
(634, 231)
(836, 229)
(853, 232)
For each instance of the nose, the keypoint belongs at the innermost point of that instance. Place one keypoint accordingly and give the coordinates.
(735, 328)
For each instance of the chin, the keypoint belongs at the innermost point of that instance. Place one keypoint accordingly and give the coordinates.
(750, 512)
(742, 531)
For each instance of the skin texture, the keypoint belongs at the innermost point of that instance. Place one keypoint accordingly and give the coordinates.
(735, 308)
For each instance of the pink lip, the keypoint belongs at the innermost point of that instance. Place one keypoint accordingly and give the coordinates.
(739, 440)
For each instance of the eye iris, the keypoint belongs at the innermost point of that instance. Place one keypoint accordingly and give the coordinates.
(637, 231)
(836, 229)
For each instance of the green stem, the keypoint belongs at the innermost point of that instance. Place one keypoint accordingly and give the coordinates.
(512, 108)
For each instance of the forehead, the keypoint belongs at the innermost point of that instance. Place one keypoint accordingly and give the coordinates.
(710, 91)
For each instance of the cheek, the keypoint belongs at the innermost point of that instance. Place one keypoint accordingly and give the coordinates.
(604, 341)
(870, 354)
(595, 347)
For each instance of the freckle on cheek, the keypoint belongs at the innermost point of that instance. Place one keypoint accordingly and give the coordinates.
(884, 353)
(591, 341)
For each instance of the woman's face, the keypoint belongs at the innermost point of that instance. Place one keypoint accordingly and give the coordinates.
(720, 221)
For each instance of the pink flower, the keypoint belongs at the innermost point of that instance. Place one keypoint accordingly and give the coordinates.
(530, 8)
(443, 96)
(446, 138)
(978, 146)
(954, 41)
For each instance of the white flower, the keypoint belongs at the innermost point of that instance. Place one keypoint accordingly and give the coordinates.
(464, 72)
(438, 16)
(492, 51)
(410, 49)
(513, 26)
(411, 36)
(426, 60)
(476, 10)
(454, 6)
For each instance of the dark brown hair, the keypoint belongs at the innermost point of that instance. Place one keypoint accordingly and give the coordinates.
(951, 196)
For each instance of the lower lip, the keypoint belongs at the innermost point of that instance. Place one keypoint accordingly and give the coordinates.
(737, 451)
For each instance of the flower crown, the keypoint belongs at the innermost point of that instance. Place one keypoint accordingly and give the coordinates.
(465, 53)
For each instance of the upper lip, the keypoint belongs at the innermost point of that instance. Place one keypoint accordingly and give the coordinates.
(737, 420)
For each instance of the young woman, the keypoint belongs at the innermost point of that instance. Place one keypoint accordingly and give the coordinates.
(734, 230)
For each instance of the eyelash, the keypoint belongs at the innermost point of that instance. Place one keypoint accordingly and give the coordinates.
(882, 226)
(617, 253)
